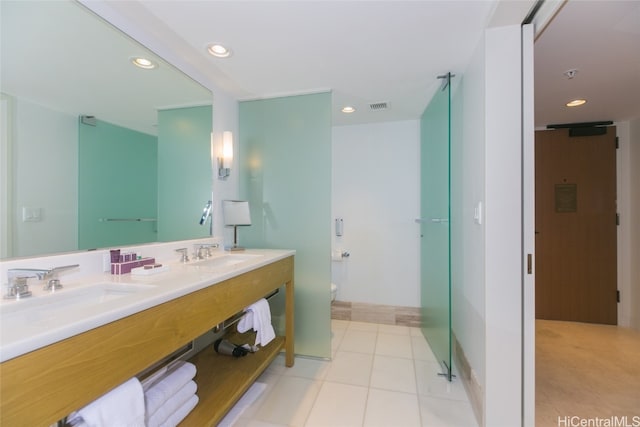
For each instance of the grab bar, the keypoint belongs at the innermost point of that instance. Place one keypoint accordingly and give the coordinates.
(127, 219)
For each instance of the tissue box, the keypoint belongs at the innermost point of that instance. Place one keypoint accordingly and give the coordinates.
(125, 267)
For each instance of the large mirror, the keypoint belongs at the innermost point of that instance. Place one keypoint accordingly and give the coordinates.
(95, 151)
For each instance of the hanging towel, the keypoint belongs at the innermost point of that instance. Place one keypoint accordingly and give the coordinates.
(166, 386)
(181, 413)
(123, 406)
(258, 318)
(172, 405)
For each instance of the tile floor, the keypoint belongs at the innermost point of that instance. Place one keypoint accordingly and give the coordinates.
(380, 375)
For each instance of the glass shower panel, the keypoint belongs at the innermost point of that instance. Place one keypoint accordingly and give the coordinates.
(435, 130)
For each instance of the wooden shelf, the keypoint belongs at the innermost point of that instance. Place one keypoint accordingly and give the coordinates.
(222, 380)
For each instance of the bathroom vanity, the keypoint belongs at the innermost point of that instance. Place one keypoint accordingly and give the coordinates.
(41, 386)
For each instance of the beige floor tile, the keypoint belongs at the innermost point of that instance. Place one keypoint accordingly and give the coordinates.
(358, 341)
(429, 383)
(394, 345)
(305, 367)
(393, 329)
(415, 332)
(391, 409)
(421, 349)
(338, 405)
(446, 413)
(339, 324)
(363, 326)
(351, 368)
(393, 373)
(290, 401)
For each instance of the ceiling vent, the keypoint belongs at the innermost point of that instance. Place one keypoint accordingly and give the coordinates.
(379, 106)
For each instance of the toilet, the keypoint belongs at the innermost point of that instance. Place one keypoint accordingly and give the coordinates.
(334, 292)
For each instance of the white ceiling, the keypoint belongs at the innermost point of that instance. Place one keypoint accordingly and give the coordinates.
(601, 39)
(363, 51)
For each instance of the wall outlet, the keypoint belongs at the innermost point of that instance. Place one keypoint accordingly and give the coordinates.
(31, 214)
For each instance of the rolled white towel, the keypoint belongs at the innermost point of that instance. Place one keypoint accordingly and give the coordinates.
(171, 405)
(123, 406)
(167, 385)
(258, 318)
(181, 413)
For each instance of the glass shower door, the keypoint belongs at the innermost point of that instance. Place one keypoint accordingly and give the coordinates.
(435, 231)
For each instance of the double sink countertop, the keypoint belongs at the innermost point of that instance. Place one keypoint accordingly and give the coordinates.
(82, 305)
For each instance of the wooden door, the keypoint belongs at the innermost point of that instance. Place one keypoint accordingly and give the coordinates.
(576, 276)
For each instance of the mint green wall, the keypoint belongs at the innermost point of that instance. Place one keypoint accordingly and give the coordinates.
(285, 173)
(117, 178)
(184, 160)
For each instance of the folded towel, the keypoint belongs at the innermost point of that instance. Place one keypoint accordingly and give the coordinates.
(166, 386)
(171, 405)
(258, 318)
(181, 413)
(123, 406)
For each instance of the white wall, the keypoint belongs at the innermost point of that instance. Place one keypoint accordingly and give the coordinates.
(48, 151)
(375, 189)
(487, 302)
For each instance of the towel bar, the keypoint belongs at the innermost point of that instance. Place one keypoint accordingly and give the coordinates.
(236, 317)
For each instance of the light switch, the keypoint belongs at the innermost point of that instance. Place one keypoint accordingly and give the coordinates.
(31, 214)
(477, 213)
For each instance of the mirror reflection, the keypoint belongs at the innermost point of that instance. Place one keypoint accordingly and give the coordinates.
(94, 150)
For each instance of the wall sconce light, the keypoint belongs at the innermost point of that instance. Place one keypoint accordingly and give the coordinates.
(225, 160)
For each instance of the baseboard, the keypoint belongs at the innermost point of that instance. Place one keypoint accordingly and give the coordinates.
(469, 380)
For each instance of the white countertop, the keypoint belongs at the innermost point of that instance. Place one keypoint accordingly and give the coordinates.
(27, 327)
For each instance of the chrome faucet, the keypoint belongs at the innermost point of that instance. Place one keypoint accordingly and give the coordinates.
(18, 288)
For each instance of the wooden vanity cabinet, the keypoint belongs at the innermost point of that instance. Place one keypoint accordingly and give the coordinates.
(45, 385)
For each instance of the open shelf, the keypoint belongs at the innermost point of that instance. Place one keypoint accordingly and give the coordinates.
(222, 380)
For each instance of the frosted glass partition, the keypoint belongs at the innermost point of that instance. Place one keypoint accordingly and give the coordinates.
(435, 228)
(184, 157)
(117, 184)
(285, 174)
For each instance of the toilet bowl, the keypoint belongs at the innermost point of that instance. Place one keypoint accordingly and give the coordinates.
(334, 292)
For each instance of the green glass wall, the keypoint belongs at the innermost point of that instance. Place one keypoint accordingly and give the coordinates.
(285, 174)
(117, 179)
(184, 158)
(435, 230)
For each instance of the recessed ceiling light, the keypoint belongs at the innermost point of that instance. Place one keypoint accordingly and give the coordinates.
(576, 102)
(218, 50)
(145, 63)
(348, 109)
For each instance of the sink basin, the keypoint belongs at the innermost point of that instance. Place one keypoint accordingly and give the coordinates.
(48, 307)
(224, 261)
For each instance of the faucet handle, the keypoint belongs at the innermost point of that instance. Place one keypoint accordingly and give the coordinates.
(185, 255)
(17, 288)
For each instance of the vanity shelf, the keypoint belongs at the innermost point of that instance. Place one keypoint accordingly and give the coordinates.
(83, 367)
(222, 380)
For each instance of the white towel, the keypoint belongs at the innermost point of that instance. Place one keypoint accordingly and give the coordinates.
(258, 318)
(171, 405)
(123, 407)
(181, 413)
(166, 386)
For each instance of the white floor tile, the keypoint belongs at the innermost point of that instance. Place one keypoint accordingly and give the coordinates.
(437, 412)
(289, 402)
(358, 341)
(338, 405)
(339, 324)
(393, 373)
(351, 368)
(391, 409)
(394, 345)
(415, 332)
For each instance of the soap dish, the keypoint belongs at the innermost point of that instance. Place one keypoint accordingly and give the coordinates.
(141, 271)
